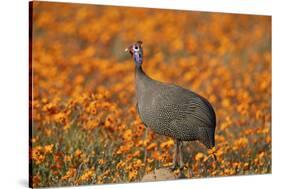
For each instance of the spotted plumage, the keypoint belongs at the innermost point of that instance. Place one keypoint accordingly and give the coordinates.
(171, 110)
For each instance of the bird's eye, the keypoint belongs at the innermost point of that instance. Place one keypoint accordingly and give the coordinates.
(136, 48)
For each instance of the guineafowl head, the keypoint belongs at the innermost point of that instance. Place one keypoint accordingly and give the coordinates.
(136, 51)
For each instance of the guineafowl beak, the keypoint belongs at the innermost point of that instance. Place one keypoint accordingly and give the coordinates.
(129, 49)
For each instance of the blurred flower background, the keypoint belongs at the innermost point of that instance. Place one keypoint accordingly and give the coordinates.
(85, 129)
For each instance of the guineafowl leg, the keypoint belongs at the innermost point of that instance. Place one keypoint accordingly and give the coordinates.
(180, 154)
(145, 150)
(181, 174)
(176, 151)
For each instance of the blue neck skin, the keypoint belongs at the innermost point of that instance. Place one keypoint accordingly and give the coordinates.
(138, 59)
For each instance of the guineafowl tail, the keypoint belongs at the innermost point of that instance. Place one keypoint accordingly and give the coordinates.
(207, 137)
(211, 133)
(211, 144)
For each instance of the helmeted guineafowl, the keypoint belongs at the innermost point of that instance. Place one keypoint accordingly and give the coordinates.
(172, 110)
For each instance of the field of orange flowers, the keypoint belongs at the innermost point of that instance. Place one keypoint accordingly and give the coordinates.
(85, 128)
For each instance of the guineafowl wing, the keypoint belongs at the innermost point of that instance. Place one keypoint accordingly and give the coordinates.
(201, 110)
(182, 104)
(193, 120)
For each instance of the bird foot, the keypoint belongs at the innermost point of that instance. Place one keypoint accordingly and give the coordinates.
(173, 167)
(181, 175)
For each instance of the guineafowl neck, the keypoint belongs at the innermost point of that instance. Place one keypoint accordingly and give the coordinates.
(143, 82)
